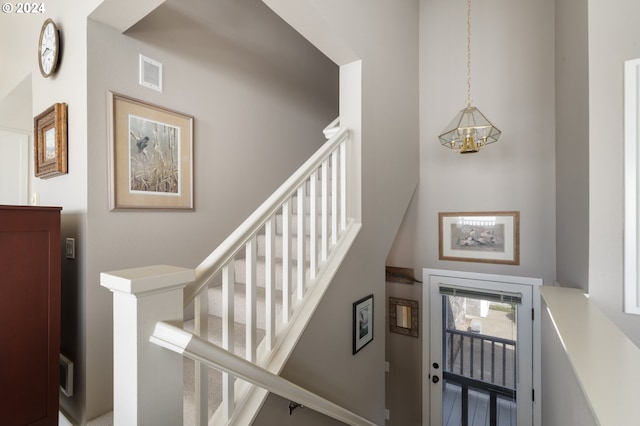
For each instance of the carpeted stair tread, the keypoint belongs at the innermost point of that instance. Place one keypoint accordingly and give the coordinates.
(214, 381)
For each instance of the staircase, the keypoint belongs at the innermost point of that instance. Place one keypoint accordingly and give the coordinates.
(252, 296)
(241, 272)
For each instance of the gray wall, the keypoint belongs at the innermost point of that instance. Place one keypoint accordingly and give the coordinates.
(513, 85)
(572, 144)
(260, 96)
(97, 59)
(404, 354)
(384, 36)
(613, 38)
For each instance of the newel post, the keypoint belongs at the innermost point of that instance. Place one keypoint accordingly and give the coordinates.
(147, 379)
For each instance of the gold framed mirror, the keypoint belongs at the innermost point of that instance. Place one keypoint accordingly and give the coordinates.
(403, 316)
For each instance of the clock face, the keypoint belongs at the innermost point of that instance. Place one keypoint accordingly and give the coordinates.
(48, 49)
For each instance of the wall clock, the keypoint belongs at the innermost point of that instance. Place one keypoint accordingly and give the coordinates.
(48, 48)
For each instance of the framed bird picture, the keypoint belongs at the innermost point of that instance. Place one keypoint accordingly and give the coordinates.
(150, 156)
(489, 237)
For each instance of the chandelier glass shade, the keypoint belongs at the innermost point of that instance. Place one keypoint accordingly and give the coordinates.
(470, 130)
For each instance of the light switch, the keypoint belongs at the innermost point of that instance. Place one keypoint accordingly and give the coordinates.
(71, 248)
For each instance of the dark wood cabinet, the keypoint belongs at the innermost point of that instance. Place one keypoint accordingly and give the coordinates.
(29, 315)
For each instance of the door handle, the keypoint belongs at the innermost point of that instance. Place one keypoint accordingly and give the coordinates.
(435, 379)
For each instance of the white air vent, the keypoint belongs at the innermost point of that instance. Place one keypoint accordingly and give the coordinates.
(150, 73)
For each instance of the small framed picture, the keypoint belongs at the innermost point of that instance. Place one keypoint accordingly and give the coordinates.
(151, 156)
(362, 322)
(489, 237)
(50, 141)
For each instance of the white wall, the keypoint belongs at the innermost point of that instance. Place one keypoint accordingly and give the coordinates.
(14, 167)
(18, 44)
(614, 37)
(513, 85)
(15, 108)
(16, 151)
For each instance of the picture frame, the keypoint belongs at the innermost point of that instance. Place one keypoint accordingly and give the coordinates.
(488, 237)
(50, 141)
(362, 323)
(150, 156)
(403, 316)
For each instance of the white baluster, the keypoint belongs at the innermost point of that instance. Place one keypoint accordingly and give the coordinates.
(228, 286)
(313, 224)
(343, 185)
(334, 197)
(201, 328)
(301, 244)
(270, 283)
(325, 212)
(286, 261)
(250, 331)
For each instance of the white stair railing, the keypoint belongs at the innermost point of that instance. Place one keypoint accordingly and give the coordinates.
(316, 192)
(190, 346)
(333, 153)
(310, 216)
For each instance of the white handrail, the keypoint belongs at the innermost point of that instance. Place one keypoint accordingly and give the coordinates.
(237, 240)
(185, 343)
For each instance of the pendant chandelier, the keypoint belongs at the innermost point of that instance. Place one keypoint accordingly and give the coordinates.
(469, 131)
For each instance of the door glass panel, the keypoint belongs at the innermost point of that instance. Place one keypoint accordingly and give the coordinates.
(479, 348)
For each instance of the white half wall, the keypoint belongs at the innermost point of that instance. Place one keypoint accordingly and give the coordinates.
(614, 37)
(563, 399)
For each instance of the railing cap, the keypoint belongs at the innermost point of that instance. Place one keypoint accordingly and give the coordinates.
(148, 279)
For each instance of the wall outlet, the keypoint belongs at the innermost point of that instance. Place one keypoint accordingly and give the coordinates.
(387, 415)
(70, 248)
(386, 366)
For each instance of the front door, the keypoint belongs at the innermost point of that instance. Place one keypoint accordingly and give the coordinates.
(480, 355)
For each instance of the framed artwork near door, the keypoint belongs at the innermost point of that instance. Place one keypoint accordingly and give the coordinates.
(489, 237)
(362, 323)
